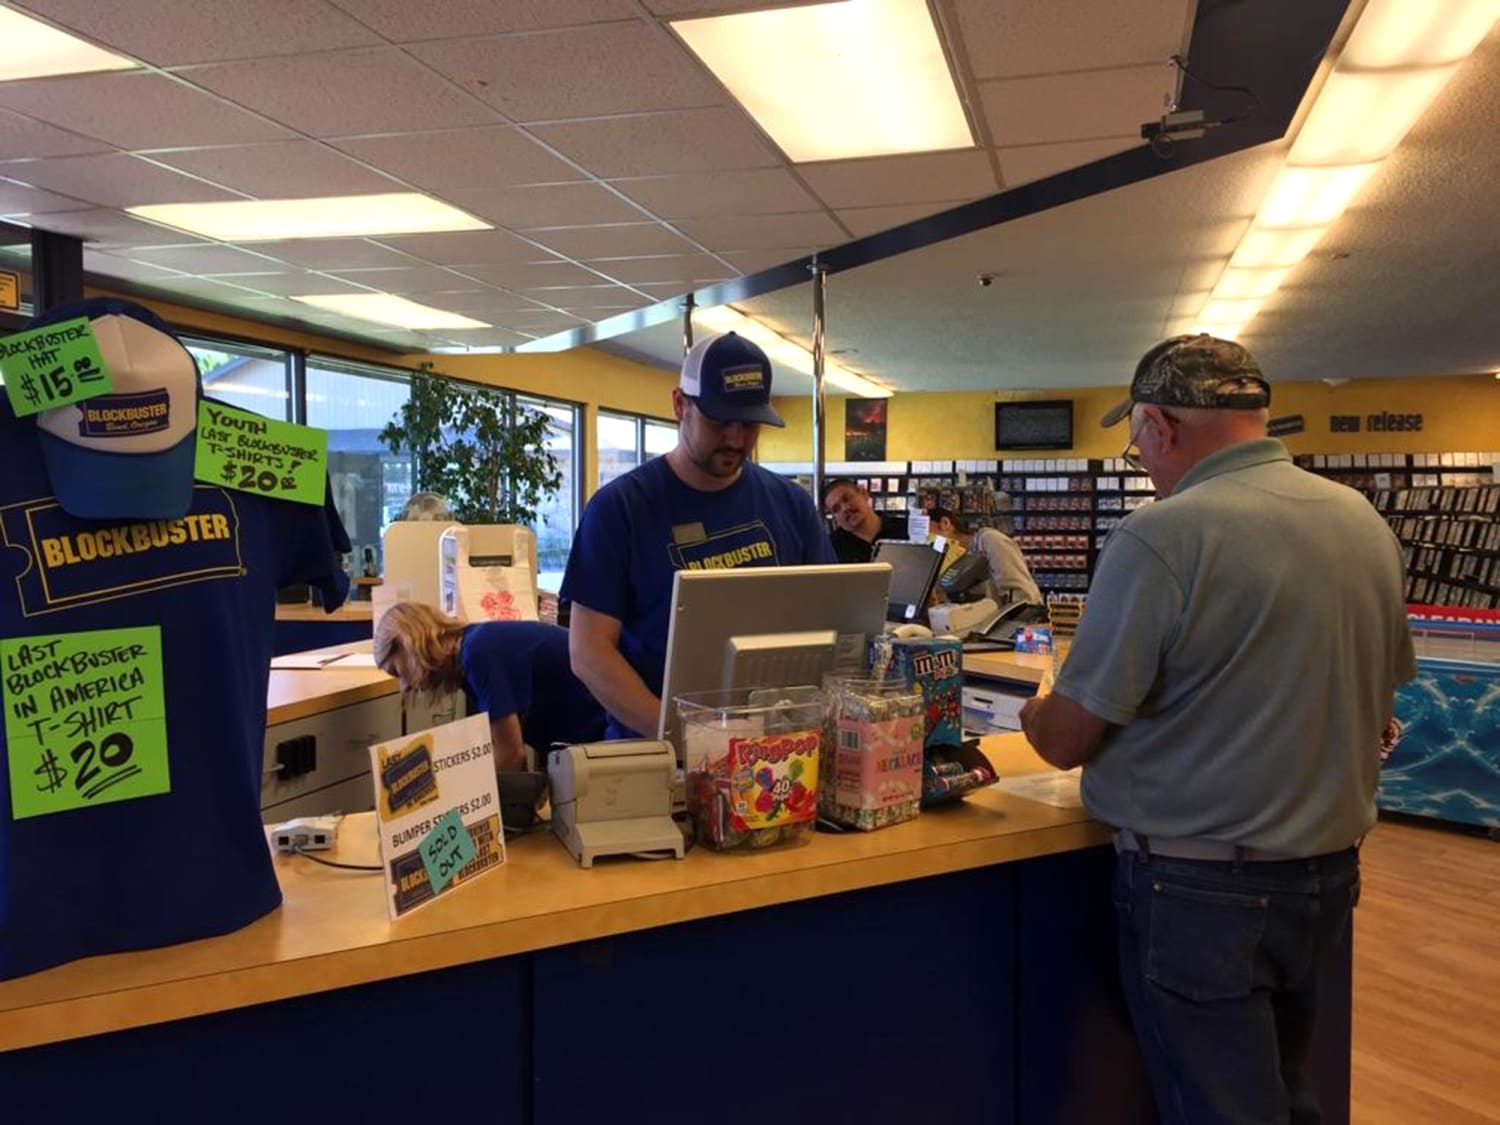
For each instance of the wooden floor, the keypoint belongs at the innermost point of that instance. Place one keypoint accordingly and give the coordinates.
(1427, 978)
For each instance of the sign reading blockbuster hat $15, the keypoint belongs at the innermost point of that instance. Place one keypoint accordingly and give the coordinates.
(730, 379)
(1196, 371)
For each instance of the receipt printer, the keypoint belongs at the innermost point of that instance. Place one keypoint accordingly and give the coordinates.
(614, 798)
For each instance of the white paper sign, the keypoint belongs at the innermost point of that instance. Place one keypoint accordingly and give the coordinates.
(419, 781)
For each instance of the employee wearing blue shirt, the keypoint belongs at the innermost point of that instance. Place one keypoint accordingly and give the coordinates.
(703, 505)
(517, 671)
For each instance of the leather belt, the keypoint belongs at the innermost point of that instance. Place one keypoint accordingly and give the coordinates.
(1212, 850)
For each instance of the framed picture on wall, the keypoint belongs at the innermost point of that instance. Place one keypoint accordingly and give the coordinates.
(864, 429)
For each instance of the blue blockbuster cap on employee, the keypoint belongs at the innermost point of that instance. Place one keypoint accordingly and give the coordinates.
(730, 379)
(128, 454)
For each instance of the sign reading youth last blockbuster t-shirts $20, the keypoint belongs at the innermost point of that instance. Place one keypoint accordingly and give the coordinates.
(133, 677)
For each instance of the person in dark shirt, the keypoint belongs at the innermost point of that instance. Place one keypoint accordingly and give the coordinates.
(857, 525)
(517, 671)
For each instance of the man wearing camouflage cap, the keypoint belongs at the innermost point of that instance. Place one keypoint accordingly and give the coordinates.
(1226, 695)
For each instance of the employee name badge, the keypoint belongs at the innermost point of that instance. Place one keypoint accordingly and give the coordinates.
(437, 811)
(773, 780)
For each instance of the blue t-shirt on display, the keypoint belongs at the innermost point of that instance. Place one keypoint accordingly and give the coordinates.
(640, 529)
(180, 865)
(521, 668)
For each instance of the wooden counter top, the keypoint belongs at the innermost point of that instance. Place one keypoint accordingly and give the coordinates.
(306, 611)
(332, 930)
(299, 694)
(1022, 667)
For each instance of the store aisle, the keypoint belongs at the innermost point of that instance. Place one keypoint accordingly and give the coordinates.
(1426, 978)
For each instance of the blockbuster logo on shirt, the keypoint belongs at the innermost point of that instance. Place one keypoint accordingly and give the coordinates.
(746, 545)
(75, 562)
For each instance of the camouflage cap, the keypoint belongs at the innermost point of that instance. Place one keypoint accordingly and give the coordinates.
(1202, 371)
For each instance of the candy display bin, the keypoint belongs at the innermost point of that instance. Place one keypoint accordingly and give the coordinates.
(751, 760)
(871, 769)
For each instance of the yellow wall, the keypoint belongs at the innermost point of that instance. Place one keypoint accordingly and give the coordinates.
(1459, 413)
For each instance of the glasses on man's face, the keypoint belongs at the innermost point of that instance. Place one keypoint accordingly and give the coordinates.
(1132, 452)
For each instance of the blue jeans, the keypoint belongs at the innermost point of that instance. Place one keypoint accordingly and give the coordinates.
(1220, 965)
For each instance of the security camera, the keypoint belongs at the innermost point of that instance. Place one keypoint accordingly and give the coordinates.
(986, 280)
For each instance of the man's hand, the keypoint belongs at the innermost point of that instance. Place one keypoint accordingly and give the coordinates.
(1061, 731)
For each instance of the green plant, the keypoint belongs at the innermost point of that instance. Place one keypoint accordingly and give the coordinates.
(476, 446)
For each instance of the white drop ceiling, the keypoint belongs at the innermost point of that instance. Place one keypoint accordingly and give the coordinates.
(619, 173)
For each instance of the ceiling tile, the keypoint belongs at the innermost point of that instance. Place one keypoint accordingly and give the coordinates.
(753, 261)
(547, 205)
(754, 191)
(482, 303)
(110, 228)
(280, 170)
(123, 269)
(610, 69)
(208, 289)
(134, 110)
(1034, 36)
(487, 158)
(708, 7)
(1075, 107)
(812, 229)
(1026, 163)
(298, 284)
(466, 247)
(488, 338)
(335, 253)
(579, 298)
(169, 32)
(523, 276)
(382, 91)
(417, 279)
(675, 269)
(690, 140)
(885, 180)
(401, 21)
(18, 199)
(207, 257)
(22, 137)
(622, 240)
(117, 181)
(872, 220)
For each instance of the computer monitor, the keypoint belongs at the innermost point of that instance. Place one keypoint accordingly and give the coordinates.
(914, 572)
(768, 626)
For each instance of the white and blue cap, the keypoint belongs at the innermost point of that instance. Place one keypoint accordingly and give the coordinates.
(730, 379)
(128, 454)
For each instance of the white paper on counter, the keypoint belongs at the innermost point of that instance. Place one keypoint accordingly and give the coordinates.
(1058, 788)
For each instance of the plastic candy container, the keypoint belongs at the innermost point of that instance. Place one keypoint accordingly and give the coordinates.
(872, 753)
(752, 765)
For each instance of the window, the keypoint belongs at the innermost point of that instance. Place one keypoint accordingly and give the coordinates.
(245, 376)
(557, 516)
(353, 402)
(628, 440)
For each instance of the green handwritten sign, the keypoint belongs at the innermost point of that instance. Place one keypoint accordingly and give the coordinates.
(446, 850)
(85, 724)
(244, 451)
(53, 366)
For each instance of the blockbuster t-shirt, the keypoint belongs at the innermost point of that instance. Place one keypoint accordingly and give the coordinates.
(192, 862)
(521, 668)
(641, 528)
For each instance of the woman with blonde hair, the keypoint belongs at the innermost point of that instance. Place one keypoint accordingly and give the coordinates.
(517, 671)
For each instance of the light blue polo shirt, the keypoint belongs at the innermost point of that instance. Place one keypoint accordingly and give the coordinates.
(1245, 636)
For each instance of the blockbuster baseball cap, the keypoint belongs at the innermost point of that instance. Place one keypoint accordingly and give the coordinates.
(1202, 371)
(730, 378)
(128, 454)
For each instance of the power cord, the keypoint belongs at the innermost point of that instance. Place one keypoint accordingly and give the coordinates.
(331, 863)
(1253, 108)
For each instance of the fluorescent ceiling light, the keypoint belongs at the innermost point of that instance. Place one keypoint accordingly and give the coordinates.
(1311, 197)
(1222, 331)
(333, 216)
(390, 310)
(1239, 285)
(1229, 312)
(34, 50)
(837, 81)
(1361, 116)
(1400, 33)
(782, 351)
(1267, 248)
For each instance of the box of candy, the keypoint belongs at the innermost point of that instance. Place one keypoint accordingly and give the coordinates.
(751, 763)
(933, 664)
(871, 769)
